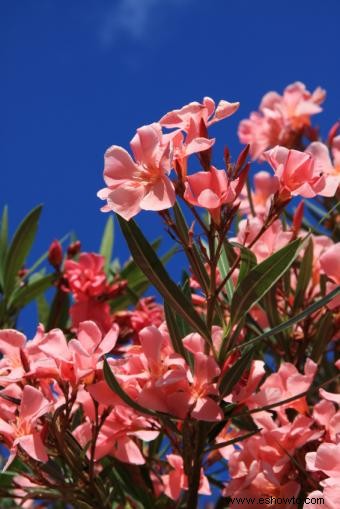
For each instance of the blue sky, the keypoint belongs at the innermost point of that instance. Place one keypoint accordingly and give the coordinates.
(80, 75)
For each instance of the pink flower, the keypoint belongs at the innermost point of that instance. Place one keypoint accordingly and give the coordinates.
(77, 359)
(284, 384)
(116, 435)
(91, 310)
(195, 112)
(329, 498)
(203, 388)
(330, 265)
(324, 165)
(141, 185)
(23, 430)
(273, 239)
(298, 174)
(281, 119)
(86, 277)
(176, 480)
(12, 343)
(212, 189)
(326, 459)
(265, 186)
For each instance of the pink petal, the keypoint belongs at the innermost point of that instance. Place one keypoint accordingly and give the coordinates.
(34, 446)
(126, 199)
(119, 166)
(152, 341)
(127, 451)
(33, 404)
(207, 410)
(109, 341)
(160, 196)
(89, 335)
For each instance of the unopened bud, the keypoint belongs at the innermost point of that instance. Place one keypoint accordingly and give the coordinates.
(73, 249)
(55, 254)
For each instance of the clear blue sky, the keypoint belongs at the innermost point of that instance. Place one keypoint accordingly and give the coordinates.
(80, 75)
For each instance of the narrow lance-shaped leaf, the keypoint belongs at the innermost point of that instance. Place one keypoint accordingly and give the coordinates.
(31, 291)
(150, 264)
(19, 248)
(224, 267)
(106, 246)
(233, 375)
(3, 241)
(138, 283)
(261, 278)
(323, 336)
(247, 262)
(288, 323)
(113, 383)
(3, 233)
(232, 441)
(304, 277)
(176, 335)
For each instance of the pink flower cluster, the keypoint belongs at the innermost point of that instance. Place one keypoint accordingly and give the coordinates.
(129, 403)
(281, 119)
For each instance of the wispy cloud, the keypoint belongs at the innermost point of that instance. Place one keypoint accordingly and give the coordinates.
(133, 19)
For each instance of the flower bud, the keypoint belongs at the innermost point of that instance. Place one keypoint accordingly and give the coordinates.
(55, 254)
(73, 249)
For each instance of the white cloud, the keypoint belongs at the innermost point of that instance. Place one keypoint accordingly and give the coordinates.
(133, 19)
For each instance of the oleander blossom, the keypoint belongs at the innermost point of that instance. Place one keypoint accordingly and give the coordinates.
(212, 189)
(300, 174)
(143, 183)
(281, 119)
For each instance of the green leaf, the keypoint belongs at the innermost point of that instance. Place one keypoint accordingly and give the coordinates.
(232, 441)
(3, 241)
(248, 261)
(288, 323)
(304, 277)
(138, 283)
(323, 336)
(31, 291)
(114, 385)
(43, 309)
(234, 374)
(19, 248)
(224, 267)
(175, 328)
(261, 278)
(59, 312)
(3, 232)
(150, 264)
(106, 246)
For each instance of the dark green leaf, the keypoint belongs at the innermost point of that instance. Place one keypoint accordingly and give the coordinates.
(234, 374)
(138, 283)
(31, 291)
(247, 262)
(3, 241)
(297, 318)
(224, 267)
(235, 440)
(261, 278)
(323, 336)
(175, 328)
(116, 388)
(304, 277)
(3, 233)
(150, 264)
(19, 248)
(59, 312)
(106, 246)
